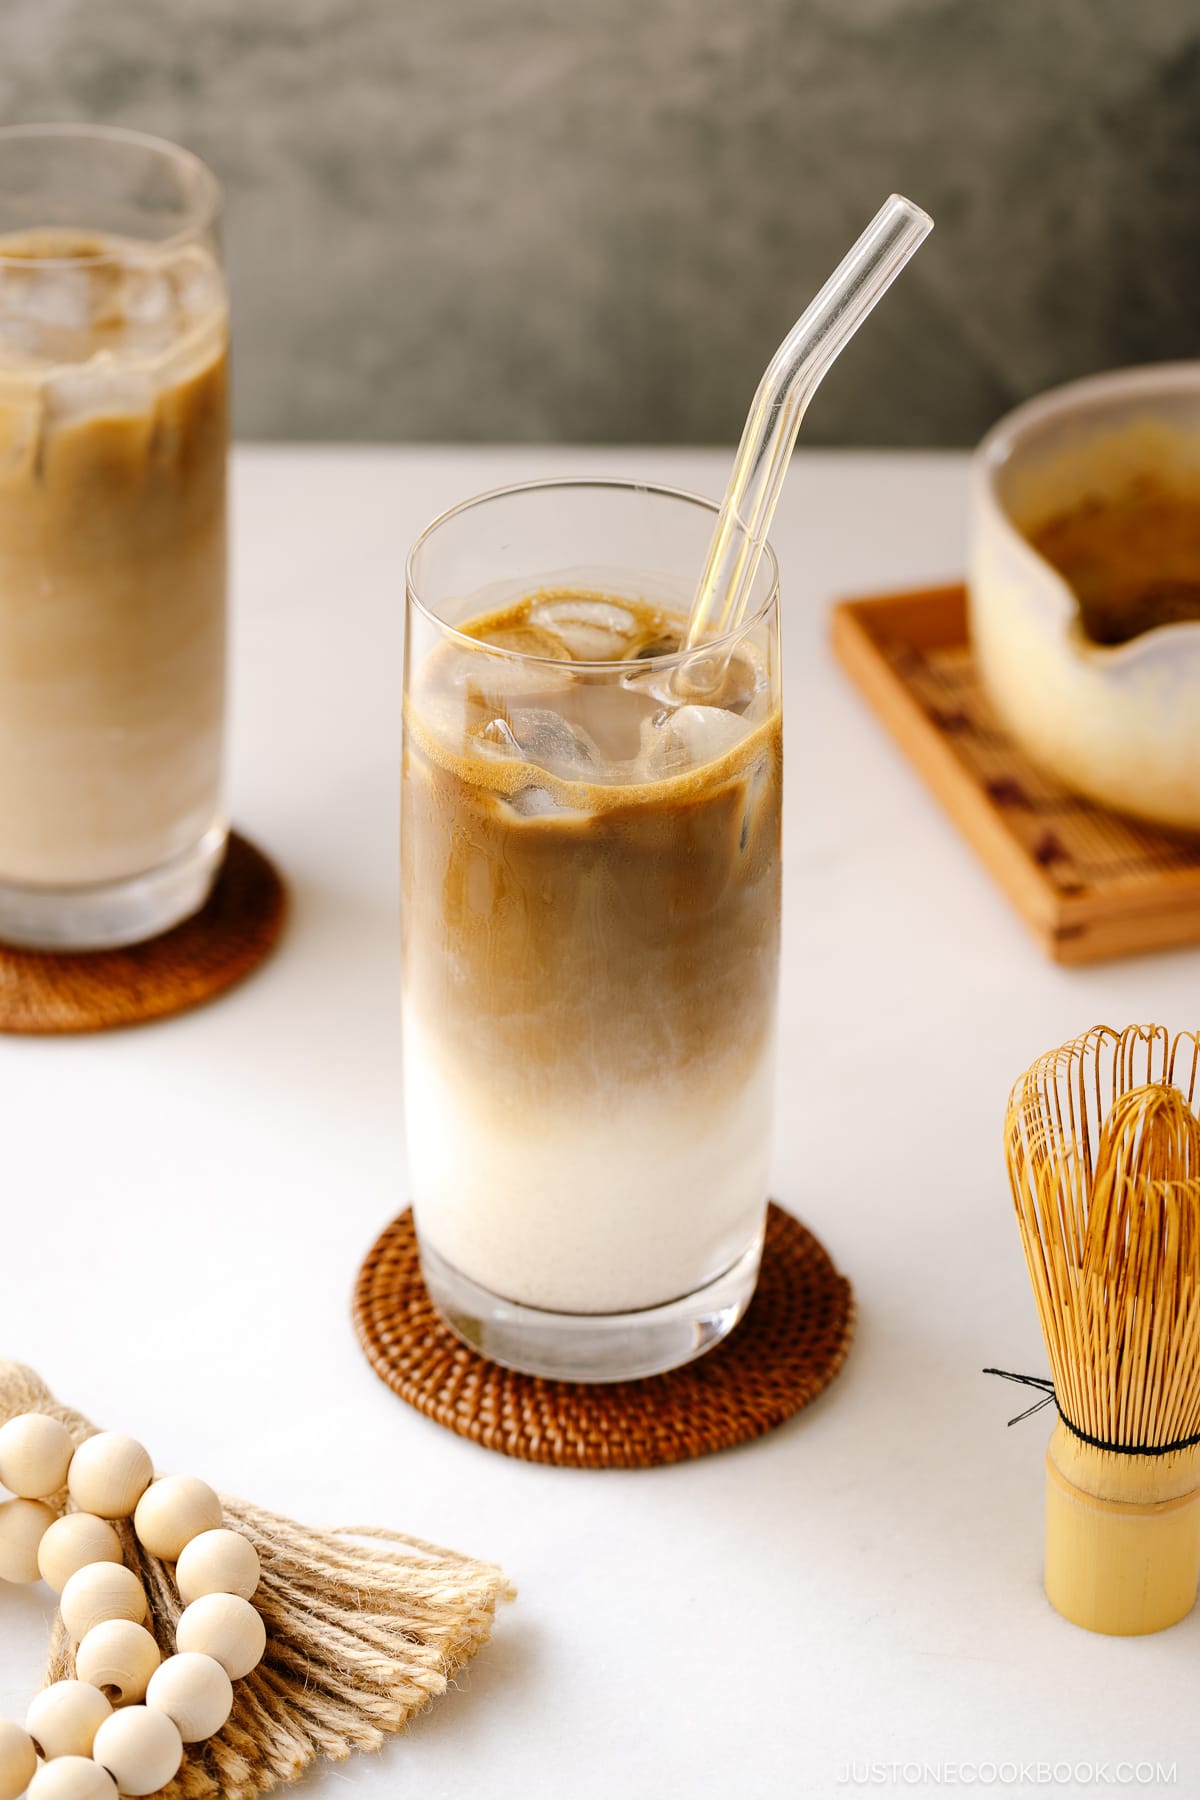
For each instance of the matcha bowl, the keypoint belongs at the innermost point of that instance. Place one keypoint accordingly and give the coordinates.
(1117, 722)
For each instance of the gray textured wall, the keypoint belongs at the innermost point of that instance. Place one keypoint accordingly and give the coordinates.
(592, 220)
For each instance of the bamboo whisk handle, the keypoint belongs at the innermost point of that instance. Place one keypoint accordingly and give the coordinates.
(1122, 1536)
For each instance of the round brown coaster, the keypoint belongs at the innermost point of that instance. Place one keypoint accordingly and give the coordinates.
(45, 992)
(787, 1349)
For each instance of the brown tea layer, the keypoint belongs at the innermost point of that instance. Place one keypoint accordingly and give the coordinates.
(636, 939)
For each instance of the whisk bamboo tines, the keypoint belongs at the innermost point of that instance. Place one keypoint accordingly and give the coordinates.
(364, 1629)
(1103, 1147)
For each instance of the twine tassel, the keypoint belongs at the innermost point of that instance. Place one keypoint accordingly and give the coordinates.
(364, 1630)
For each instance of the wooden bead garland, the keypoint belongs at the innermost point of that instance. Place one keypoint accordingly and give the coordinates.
(23, 1524)
(64, 1718)
(35, 1454)
(174, 1510)
(227, 1629)
(109, 1474)
(195, 1692)
(119, 1658)
(72, 1778)
(73, 1542)
(18, 1760)
(218, 1562)
(101, 1591)
(141, 1750)
(74, 1745)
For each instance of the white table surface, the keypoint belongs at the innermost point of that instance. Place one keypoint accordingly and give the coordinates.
(185, 1207)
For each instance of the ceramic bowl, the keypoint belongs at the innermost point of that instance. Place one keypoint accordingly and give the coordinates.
(1119, 723)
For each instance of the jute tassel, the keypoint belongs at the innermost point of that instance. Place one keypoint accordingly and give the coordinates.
(361, 1635)
(1104, 1157)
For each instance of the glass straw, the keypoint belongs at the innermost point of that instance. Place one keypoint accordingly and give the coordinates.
(791, 379)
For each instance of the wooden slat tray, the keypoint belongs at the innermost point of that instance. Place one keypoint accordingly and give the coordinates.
(1089, 883)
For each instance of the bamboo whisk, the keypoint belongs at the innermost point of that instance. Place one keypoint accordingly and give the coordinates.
(1103, 1148)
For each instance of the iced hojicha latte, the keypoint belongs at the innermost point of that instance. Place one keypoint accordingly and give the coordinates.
(591, 860)
(113, 444)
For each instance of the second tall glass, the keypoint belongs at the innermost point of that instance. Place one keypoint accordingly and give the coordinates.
(113, 439)
(591, 879)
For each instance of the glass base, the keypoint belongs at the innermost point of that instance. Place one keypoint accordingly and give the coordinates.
(591, 1346)
(113, 913)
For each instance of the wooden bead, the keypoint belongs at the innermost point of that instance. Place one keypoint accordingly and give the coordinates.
(218, 1562)
(72, 1778)
(119, 1658)
(225, 1627)
(23, 1525)
(101, 1591)
(193, 1690)
(109, 1474)
(64, 1718)
(141, 1749)
(73, 1542)
(18, 1760)
(173, 1511)
(35, 1454)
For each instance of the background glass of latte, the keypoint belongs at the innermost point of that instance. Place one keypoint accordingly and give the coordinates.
(113, 441)
(591, 873)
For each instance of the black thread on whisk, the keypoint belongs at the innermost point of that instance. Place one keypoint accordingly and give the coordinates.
(1034, 1381)
(1049, 1398)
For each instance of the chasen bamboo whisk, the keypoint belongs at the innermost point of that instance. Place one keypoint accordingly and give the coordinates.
(1103, 1146)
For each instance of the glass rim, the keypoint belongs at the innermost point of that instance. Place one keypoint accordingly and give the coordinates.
(202, 214)
(627, 484)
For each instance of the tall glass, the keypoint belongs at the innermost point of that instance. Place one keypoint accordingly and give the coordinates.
(113, 442)
(591, 879)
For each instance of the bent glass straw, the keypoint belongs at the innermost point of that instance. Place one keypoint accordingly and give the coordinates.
(791, 379)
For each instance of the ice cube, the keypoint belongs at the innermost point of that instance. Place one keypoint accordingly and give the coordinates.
(588, 630)
(147, 298)
(197, 283)
(687, 738)
(534, 802)
(45, 313)
(553, 742)
(102, 388)
(45, 295)
(496, 739)
(532, 734)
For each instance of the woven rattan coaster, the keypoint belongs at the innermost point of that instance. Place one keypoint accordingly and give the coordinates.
(786, 1350)
(43, 993)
